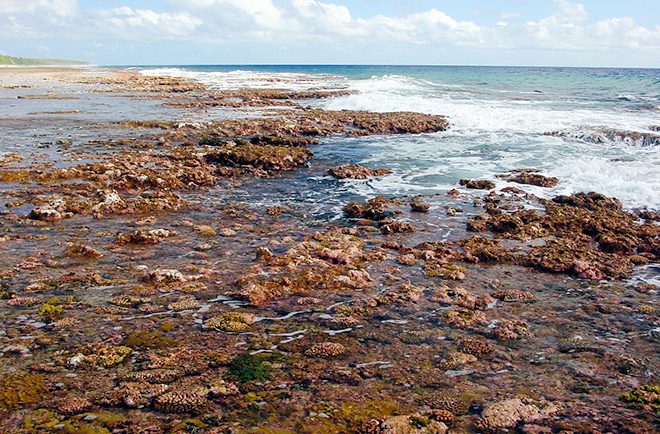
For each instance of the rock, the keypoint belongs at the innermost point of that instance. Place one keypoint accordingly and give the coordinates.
(454, 193)
(524, 176)
(164, 275)
(268, 158)
(418, 206)
(355, 171)
(477, 184)
(608, 135)
(153, 236)
(110, 202)
(373, 209)
(45, 214)
(592, 201)
(396, 227)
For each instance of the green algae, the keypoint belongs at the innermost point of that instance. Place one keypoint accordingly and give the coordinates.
(257, 367)
(247, 367)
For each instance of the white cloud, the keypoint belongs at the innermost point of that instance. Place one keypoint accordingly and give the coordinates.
(157, 24)
(309, 24)
(58, 7)
(263, 13)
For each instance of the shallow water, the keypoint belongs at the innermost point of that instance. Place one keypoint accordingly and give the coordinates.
(499, 116)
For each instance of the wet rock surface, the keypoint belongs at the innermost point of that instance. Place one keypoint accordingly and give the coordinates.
(355, 171)
(139, 295)
(608, 135)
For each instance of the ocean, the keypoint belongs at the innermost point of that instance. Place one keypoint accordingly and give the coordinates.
(596, 129)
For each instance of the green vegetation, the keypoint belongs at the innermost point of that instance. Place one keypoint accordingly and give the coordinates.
(257, 367)
(9, 60)
(646, 396)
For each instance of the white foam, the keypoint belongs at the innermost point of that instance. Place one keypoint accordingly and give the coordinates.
(223, 80)
(493, 135)
(492, 131)
(476, 113)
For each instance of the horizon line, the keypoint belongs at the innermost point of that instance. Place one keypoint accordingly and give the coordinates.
(375, 64)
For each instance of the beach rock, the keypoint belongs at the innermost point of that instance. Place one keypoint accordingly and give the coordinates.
(355, 171)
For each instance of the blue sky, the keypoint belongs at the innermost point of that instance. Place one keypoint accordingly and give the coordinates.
(492, 32)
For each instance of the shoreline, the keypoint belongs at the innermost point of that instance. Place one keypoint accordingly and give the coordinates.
(145, 289)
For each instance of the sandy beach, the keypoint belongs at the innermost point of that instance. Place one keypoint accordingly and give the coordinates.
(160, 274)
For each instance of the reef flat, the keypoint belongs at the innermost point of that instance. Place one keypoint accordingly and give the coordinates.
(145, 287)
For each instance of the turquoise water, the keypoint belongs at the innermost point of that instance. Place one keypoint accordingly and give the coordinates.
(501, 119)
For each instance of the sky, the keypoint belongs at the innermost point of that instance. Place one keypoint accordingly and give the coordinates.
(429, 32)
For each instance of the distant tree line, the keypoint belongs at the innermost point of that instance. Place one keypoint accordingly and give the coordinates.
(9, 60)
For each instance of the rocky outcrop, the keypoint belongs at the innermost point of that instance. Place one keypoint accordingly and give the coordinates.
(477, 184)
(355, 171)
(609, 135)
(530, 177)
